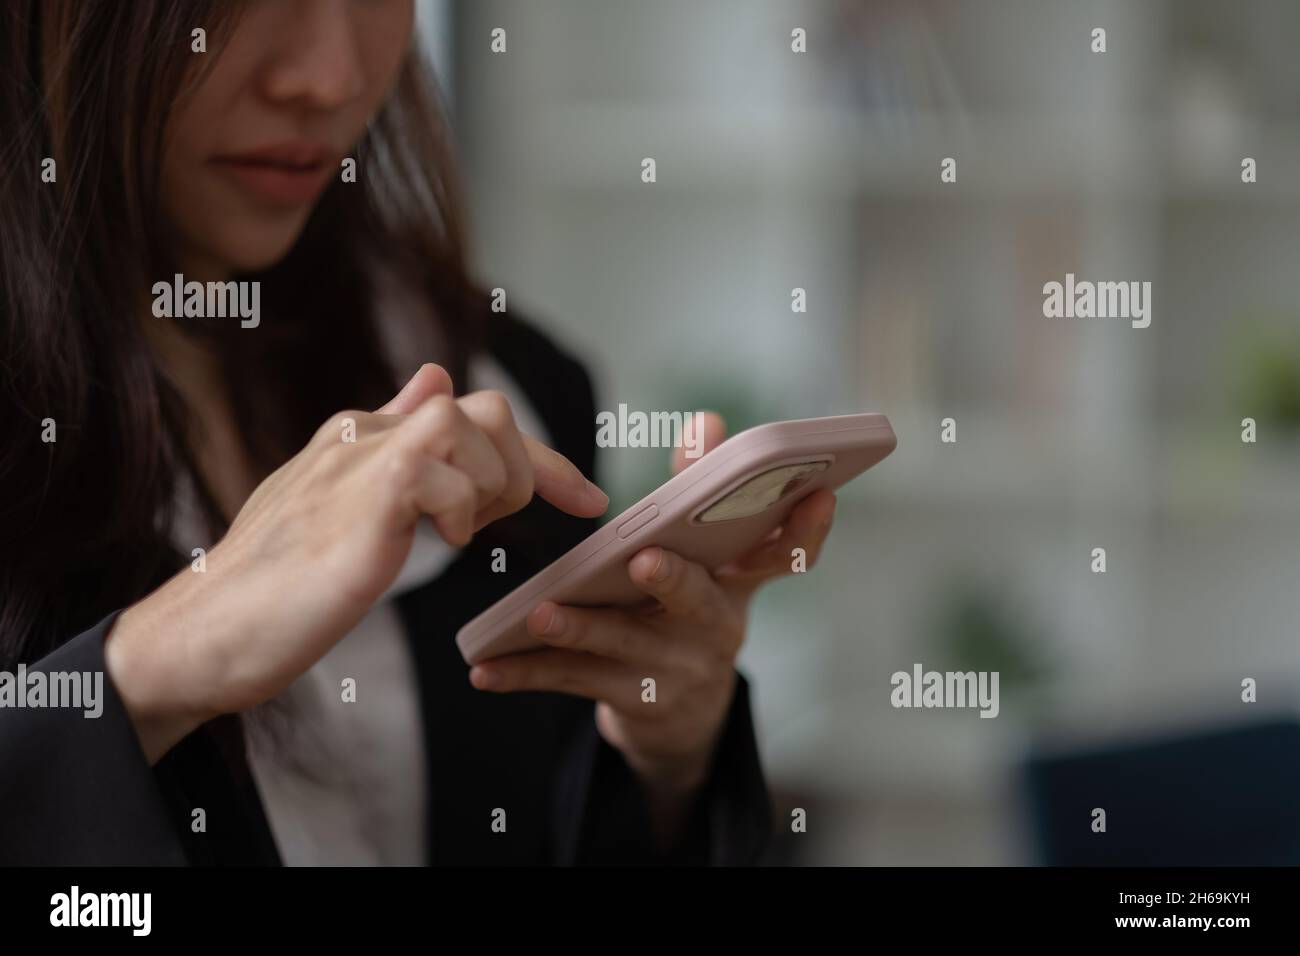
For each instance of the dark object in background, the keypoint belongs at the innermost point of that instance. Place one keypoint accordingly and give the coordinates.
(1226, 797)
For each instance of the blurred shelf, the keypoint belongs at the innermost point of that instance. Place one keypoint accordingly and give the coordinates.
(849, 747)
(1204, 522)
(834, 151)
(1176, 469)
(597, 146)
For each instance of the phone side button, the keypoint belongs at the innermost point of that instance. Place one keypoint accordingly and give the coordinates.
(638, 520)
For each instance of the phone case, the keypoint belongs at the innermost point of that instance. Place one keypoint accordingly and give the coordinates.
(594, 573)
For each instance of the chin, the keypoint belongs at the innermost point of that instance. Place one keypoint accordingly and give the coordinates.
(258, 251)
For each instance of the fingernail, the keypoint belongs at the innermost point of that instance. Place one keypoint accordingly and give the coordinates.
(661, 569)
(594, 491)
(483, 678)
(556, 624)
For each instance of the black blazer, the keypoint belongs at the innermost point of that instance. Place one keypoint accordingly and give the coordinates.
(79, 791)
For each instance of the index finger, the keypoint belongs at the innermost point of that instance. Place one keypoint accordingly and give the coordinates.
(559, 481)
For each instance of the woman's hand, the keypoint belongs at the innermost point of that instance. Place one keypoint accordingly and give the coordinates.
(318, 542)
(686, 639)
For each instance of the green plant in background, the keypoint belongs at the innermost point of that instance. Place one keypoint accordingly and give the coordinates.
(976, 628)
(1269, 374)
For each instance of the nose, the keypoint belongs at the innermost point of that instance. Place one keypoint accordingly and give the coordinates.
(317, 64)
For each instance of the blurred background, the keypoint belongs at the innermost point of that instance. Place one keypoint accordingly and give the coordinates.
(820, 170)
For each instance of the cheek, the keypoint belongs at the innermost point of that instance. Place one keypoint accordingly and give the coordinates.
(182, 197)
(384, 48)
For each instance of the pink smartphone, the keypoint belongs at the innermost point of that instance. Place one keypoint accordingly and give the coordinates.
(713, 512)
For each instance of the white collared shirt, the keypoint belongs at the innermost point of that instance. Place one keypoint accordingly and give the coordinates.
(345, 783)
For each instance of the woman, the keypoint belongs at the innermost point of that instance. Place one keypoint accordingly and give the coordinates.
(200, 508)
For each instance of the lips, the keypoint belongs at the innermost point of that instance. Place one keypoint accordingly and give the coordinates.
(286, 174)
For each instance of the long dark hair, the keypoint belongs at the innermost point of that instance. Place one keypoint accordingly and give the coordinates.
(85, 521)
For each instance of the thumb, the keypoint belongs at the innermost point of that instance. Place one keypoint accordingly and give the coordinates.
(701, 433)
(428, 381)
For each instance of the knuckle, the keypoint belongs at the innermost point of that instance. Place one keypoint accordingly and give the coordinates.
(463, 493)
(494, 409)
(439, 435)
(330, 454)
(445, 405)
(496, 479)
(331, 430)
(442, 412)
(403, 466)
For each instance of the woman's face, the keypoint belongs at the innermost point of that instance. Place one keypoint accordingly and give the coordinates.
(251, 150)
